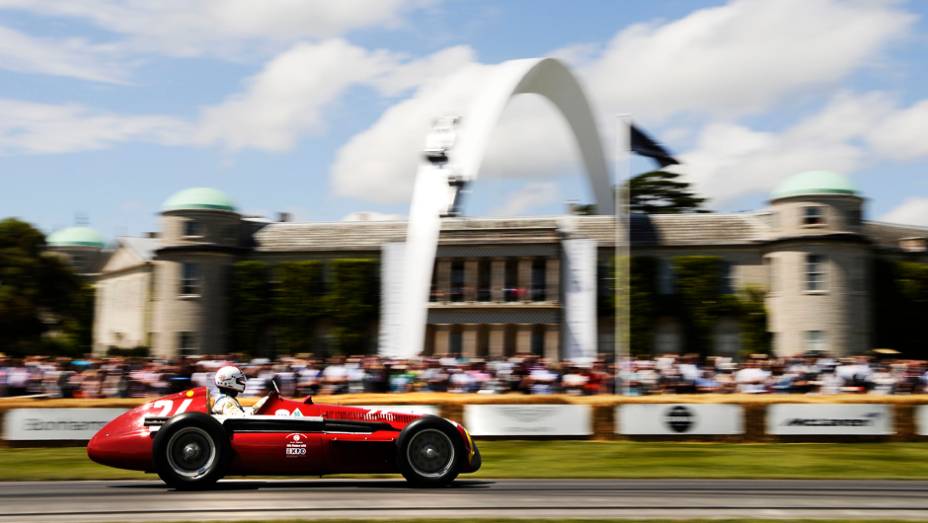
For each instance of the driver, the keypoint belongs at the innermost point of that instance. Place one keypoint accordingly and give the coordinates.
(230, 382)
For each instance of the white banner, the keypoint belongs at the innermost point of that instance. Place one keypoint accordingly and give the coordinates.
(528, 420)
(579, 298)
(392, 260)
(921, 420)
(421, 410)
(673, 419)
(829, 419)
(55, 424)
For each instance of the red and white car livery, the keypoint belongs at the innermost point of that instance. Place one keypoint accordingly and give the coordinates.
(176, 437)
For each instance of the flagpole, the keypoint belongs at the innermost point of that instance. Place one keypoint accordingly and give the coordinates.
(622, 282)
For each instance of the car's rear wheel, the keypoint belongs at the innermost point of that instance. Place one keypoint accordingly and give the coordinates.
(430, 453)
(190, 451)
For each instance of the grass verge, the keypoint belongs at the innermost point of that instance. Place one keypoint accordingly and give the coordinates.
(588, 459)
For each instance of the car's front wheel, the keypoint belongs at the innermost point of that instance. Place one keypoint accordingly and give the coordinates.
(429, 453)
(190, 451)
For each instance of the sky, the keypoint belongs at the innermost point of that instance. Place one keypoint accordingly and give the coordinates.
(320, 108)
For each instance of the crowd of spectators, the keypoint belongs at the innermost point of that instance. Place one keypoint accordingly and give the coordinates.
(298, 376)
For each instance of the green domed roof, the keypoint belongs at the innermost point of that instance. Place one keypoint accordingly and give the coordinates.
(815, 182)
(199, 198)
(76, 237)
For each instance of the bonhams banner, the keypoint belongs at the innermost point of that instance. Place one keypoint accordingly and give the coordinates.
(528, 420)
(55, 424)
(829, 419)
(675, 419)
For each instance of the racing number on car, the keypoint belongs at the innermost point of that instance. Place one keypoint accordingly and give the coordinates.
(167, 406)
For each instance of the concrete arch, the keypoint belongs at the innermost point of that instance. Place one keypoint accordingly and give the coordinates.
(434, 195)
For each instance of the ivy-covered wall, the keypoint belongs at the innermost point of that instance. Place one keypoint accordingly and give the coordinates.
(292, 307)
(700, 299)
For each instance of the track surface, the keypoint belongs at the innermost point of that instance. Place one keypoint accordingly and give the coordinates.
(319, 499)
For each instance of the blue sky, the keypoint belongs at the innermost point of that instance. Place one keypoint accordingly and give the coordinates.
(320, 108)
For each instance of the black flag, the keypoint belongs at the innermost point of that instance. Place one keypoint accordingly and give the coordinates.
(643, 145)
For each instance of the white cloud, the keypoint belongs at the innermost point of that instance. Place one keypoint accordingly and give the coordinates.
(74, 58)
(35, 128)
(222, 27)
(379, 163)
(531, 197)
(903, 135)
(912, 211)
(722, 62)
(741, 57)
(289, 96)
(852, 131)
(284, 101)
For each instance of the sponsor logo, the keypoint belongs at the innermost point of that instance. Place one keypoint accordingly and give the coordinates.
(680, 419)
(866, 421)
(296, 445)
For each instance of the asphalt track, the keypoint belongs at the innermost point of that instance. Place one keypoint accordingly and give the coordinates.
(324, 499)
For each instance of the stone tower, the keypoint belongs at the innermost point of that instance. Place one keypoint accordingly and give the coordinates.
(817, 261)
(81, 246)
(200, 238)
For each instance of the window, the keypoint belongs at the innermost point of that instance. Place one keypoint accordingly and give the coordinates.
(812, 216)
(455, 341)
(457, 280)
(815, 273)
(665, 277)
(433, 292)
(511, 284)
(815, 341)
(539, 273)
(483, 280)
(192, 228)
(190, 279)
(186, 342)
(854, 217)
(727, 278)
(771, 274)
(538, 340)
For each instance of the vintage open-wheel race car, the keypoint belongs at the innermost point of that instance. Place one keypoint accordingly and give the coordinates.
(176, 437)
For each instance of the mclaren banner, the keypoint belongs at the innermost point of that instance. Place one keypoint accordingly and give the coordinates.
(55, 424)
(677, 419)
(829, 419)
(528, 420)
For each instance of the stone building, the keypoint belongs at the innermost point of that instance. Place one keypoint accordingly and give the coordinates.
(81, 246)
(502, 286)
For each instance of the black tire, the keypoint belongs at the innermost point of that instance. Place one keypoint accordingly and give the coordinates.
(430, 452)
(191, 451)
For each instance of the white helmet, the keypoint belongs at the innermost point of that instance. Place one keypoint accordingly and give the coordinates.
(230, 377)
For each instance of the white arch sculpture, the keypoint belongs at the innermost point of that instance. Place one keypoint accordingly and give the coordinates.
(434, 194)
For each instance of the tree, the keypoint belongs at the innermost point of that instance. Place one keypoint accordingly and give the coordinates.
(661, 192)
(298, 304)
(354, 303)
(42, 301)
(900, 306)
(249, 314)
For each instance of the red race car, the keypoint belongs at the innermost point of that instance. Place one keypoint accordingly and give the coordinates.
(176, 437)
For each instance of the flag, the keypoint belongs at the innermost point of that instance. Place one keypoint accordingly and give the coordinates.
(644, 145)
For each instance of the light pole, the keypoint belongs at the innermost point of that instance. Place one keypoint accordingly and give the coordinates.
(623, 240)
